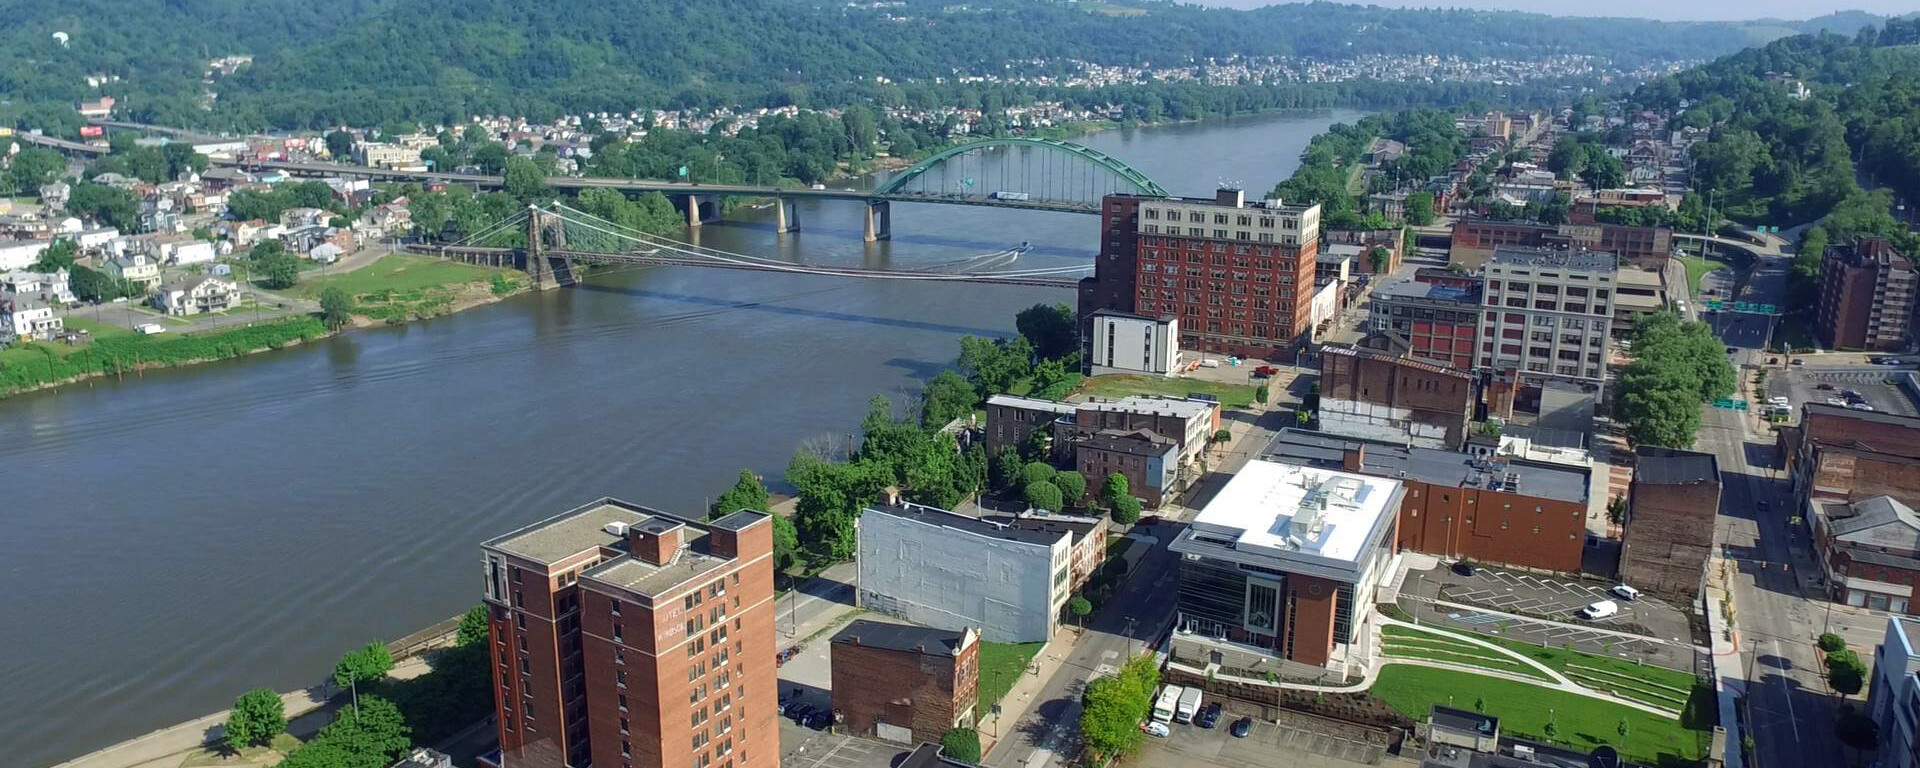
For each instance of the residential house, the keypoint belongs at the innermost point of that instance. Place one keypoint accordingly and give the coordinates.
(28, 318)
(196, 294)
(134, 267)
(53, 197)
(21, 254)
(50, 287)
(100, 108)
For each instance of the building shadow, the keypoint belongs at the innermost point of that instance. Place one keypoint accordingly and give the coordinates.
(811, 695)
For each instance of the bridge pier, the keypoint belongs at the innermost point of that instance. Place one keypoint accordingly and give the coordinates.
(879, 221)
(784, 222)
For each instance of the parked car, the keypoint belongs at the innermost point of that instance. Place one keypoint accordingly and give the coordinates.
(800, 713)
(1241, 727)
(1463, 567)
(819, 720)
(1824, 386)
(1625, 592)
(1265, 370)
(1860, 406)
(1836, 402)
(1600, 610)
(1156, 729)
(1210, 716)
(1779, 400)
(1798, 361)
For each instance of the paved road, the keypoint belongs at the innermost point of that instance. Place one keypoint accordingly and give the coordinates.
(1790, 711)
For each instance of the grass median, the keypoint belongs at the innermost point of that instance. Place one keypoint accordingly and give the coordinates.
(1001, 665)
(1121, 385)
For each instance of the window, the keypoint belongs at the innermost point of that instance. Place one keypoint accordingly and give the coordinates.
(616, 606)
(619, 656)
(623, 704)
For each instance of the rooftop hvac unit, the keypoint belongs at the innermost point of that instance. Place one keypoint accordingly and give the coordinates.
(617, 527)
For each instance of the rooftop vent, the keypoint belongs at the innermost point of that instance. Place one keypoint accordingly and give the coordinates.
(616, 528)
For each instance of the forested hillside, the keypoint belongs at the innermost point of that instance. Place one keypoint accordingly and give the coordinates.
(371, 60)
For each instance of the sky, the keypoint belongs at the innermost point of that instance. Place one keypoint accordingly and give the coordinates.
(1699, 10)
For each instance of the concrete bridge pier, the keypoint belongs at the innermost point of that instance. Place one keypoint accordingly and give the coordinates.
(879, 221)
(785, 222)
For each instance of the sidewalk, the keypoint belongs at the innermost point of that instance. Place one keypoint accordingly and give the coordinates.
(1020, 700)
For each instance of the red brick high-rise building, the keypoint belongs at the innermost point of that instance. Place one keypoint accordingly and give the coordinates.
(1239, 275)
(624, 637)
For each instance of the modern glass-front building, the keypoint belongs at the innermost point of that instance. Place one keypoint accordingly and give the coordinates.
(1282, 563)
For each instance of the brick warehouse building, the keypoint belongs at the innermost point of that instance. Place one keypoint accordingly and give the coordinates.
(1239, 276)
(904, 683)
(1371, 395)
(1675, 497)
(622, 636)
(1503, 509)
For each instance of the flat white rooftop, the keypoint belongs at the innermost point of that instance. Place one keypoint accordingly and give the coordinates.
(1293, 513)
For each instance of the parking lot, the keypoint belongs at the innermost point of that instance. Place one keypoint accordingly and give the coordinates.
(1802, 385)
(1305, 741)
(803, 748)
(1542, 610)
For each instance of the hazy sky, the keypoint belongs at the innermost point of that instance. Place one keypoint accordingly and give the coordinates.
(1699, 10)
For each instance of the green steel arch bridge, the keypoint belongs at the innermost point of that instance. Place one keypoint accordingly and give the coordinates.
(1007, 172)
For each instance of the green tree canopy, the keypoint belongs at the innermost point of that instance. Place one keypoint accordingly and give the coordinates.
(962, 744)
(747, 493)
(336, 307)
(947, 396)
(1052, 330)
(1113, 707)
(257, 716)
(1072, 485)
(473, 628)
(370, 662)
(1043, 495)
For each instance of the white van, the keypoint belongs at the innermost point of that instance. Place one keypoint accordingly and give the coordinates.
(1600, 610)
(1164, 705)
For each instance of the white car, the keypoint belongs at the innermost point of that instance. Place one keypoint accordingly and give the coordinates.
(1836, 402)
(1861, 407)
(1780, 401)
(149, 329)
(1156, 729)
(1625, 592)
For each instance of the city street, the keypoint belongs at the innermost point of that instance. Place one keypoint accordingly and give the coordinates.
(1790, 710)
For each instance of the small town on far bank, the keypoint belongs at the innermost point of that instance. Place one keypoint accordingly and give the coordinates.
(1494, 435)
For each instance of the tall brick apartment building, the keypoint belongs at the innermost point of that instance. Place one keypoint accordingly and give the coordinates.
(624, 637)
(1675, 497)
(905, 683)
(1239, 275)
(1867, 293)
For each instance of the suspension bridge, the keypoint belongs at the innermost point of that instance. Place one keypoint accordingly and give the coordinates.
(1006, 172)
(552, 242)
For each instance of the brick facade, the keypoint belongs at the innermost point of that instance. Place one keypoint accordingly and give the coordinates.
(1422, 400)
(1675, 498)
(1867, 294)
(929, 686)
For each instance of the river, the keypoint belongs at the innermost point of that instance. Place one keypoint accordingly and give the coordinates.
(175, 539)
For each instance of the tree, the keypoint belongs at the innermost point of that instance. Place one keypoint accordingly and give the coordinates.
(1112, 707)
(1846, 674)
(786, 544)
(1223, 435)
(336, 307)
(1007, 470)
(1037, 472)
(1125, 510)
(1043, 495)
(525, 181)
(1419, 207)
(1080, 607)
(370, 734)
(831, 497)
(1551, 729)
(114, 207)
(34, 168)
(58, 256)
(257, 716)
(747, 493)
(1677, 366)
(947, 396)
(1379, 258)
(370, 662)
(276, 268)
(1114, 488)
(1073, 487)
(1830, 642)
(473, 628)
(1051, 330)
(1622, 729)
(992, 366)
(1260, 394)
(962, 744)
(339, 144)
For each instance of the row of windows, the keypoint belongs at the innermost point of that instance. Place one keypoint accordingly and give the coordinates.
(1196, 217)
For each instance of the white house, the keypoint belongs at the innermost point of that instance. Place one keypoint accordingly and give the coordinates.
(49, 287)
(21, 254)
(325, 253)
(191, 252)
(135, 267)
(28, 318)
(1124, 342)
(96, 238)
(196, 294)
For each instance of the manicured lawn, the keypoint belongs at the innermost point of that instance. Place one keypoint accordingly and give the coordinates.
(395, 272)
(100, 330)
(1001, 665)
(1581, 722)
(1406, 643)
(1122, 385)
(1570, 662)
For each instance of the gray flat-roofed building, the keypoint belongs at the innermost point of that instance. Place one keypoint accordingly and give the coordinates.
(933, 567)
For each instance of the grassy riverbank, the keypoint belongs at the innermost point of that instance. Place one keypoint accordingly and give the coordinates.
(36, 365)
(402, 287)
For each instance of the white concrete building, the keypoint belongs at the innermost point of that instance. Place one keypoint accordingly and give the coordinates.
(1124, 342)
(933, 567)
(1893, 697)
(1548, 312)
(21, 254)
(135, 267)
(28, 318)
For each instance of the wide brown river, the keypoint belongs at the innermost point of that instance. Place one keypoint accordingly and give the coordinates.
(173, 540)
